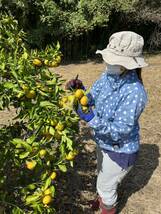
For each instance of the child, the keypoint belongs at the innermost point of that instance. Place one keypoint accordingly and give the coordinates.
(119, 99)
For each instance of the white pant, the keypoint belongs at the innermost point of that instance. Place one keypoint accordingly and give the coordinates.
(109, 176)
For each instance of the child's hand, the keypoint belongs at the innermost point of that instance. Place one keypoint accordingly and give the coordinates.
(86, 116)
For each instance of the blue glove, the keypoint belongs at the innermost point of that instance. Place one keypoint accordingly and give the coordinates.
(91, 101)
(83, 88)
(85, 116)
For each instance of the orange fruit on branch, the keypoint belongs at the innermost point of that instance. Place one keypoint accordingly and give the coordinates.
(46, 62)
(58, 59)
(70, 156)
(20, 94)
(53, 64)
(31, 94)
(53, 175)
(42, 153)
(59, 127)
(64, 99)
(53, 122)
(25, 88)
(30, 165)
(37, 62)
(46, 199)
(47, 191)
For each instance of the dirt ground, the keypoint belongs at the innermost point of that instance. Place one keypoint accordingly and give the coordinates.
(140, 192)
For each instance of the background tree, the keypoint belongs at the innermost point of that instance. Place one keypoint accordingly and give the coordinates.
(85, 24)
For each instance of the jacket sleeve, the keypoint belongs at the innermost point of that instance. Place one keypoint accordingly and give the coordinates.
(97, 86)
(124, 120)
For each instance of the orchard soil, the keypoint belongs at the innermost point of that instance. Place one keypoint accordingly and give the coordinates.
(139, 192)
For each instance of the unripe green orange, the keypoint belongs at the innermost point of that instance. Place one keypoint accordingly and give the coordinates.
(42, 153)
(31, 94)
(31, 186)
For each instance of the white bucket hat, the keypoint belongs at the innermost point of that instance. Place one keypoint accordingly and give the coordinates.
(125, 49)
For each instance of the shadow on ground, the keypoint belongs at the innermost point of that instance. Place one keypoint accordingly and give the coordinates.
(140, 174)
(81, 180)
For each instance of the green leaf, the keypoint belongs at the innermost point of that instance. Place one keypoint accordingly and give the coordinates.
(17, 210)
(1, 104)
(39, 208)
(31, 139)
(52, 188)
(16, 141)
(43, 94)
(9, 85)
(62, 148)
(43, 176)
(32, 198)
(25, 55)
(71, 163)
(46, 104)
(47, 183)
(56, 89)
(14, 74)
(58, 46)
(24, 155)
(51, 130)
(69, 143)
(51, 82)
(62, 167)
(2, 66)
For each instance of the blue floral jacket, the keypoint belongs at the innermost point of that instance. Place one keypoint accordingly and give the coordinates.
(119, 102)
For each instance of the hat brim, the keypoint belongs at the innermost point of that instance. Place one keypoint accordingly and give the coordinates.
(125, 61)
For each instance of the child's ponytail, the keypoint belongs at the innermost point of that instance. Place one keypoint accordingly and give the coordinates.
(138, 71)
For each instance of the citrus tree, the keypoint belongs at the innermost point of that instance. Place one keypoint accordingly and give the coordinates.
(43, 20)
(39, 143)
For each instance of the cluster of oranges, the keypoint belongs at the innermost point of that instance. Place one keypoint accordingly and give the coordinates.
(29, 93)
(50, 63)
(80, 95)
(47, 194)
(58, 127)
(82, 99)
(73, 100)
